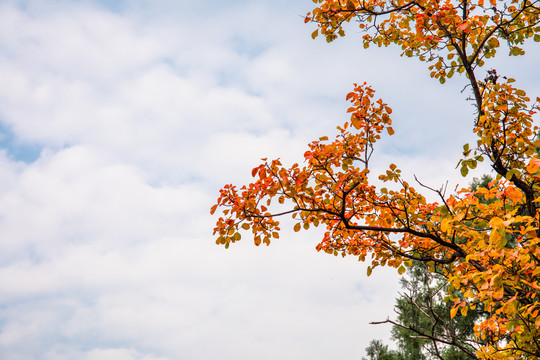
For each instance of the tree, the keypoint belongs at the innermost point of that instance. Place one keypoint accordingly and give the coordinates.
(378, 351)
(424, 328)
(488, 252)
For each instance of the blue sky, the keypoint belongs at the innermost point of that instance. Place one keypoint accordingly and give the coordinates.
(120, 121)
(15, 149)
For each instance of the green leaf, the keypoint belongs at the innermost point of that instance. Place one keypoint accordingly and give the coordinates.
(512, 173)
(464, 170)
(497, 282)
(466, 150)
(516, 51)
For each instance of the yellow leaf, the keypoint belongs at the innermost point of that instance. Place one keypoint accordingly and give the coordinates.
(444, 225)
(453, 312)
(498, 294)
(494, 42)
(533, 166)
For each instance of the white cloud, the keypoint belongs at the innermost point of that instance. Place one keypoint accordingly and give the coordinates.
(143, 110)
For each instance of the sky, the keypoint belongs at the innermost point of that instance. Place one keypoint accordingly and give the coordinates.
(119, 123)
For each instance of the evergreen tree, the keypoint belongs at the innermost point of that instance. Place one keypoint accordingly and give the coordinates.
(424, 329)
(378, 351)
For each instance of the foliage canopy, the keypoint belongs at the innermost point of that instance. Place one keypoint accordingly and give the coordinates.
(484, 241)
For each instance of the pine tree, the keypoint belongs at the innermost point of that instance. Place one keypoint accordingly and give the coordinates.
(424, 328)
(378, 351)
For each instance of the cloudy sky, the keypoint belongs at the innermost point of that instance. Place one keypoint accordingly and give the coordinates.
(119, 122)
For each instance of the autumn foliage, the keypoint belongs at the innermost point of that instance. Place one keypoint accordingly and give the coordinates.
(486, 241)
